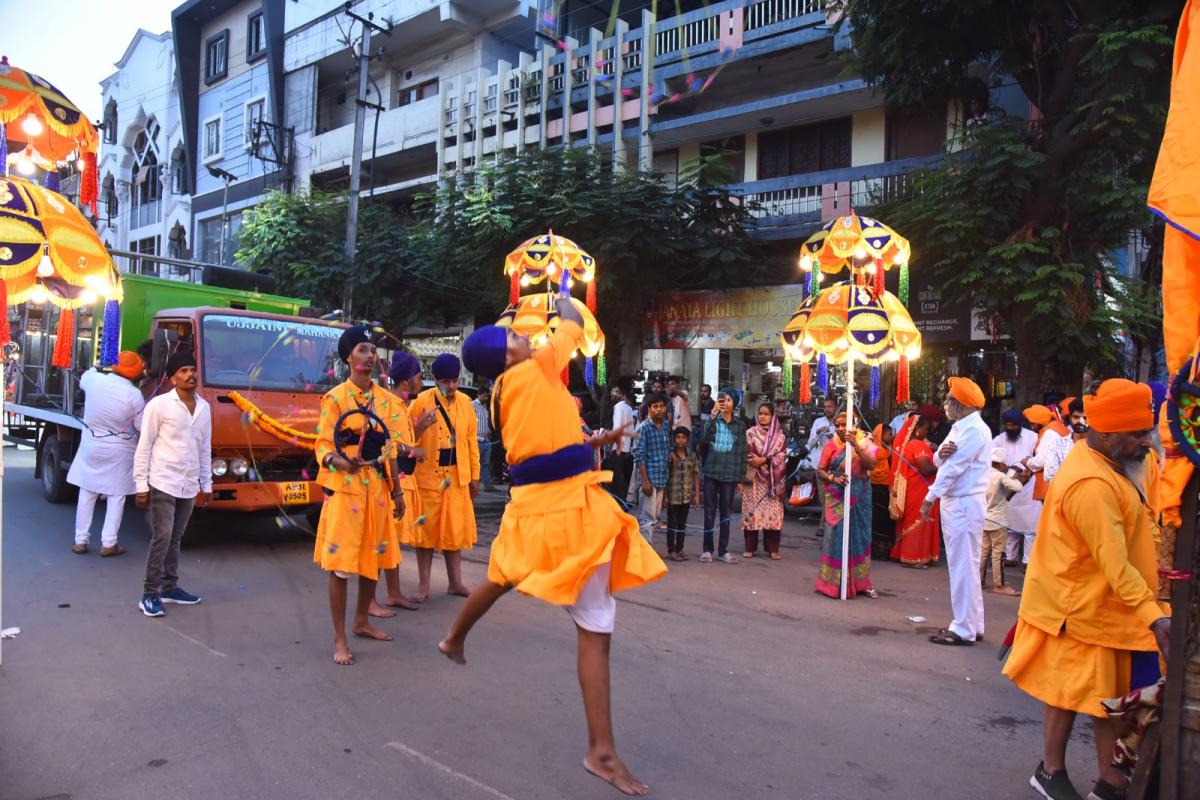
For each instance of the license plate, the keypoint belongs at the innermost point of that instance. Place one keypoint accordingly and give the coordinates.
(294, 494)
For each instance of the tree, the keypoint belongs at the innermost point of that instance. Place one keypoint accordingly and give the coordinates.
(1022, 220)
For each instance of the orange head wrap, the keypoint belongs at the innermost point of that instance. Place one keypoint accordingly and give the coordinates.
(1038, 415)
(967, 392)
(1065, 406)
(1119, 406)
(129, 365)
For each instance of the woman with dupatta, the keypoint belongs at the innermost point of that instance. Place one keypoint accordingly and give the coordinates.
(762, 501)
(917, 537)
(846, 496)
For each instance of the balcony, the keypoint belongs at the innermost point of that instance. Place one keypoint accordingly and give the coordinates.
(402, 128)
(795, 205)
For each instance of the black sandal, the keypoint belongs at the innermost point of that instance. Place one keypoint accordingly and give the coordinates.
(950, 638)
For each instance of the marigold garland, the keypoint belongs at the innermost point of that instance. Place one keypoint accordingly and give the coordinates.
(268, 424)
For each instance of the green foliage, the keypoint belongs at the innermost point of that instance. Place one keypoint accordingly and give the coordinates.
(1022, 218)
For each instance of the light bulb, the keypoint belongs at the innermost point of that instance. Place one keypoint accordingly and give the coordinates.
(574, 353)
(901, 259)
(552, 269)
(525, 280)
(806, 262)
(25, 166)
(88, 297)
(45, 268)
(893, 355)
(32, 125)
(860, 252)
(913, 352)
(38, 295)
(96, 283)
(80, 165)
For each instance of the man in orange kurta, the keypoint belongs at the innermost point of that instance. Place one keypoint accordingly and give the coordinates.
(1088, 618)
(562, 539)
(447, 477)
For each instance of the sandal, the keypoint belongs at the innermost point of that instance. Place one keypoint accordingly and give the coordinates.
(79, 549)
(680, 557)
(728, 558)
(950, 638)
(747, 554)
(775, 556)
(706, 558)
(871, 593)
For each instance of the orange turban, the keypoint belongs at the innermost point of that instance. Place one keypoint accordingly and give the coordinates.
(1119, 406)
(1038, 415)
(129, 365)
(967, 392)
(1065, 405)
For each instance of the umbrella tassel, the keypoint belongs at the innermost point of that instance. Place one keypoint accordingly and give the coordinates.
(903, 289)
(5, 332)
(805, 383)
(786, 378)
(813, 280)
(589, 372)
(879, 281)
(564, 285)
(3, 155)
(514, 288)
(110, 338)
(591, 296)
(89, 184)
(601, 370)
(902, 381)
(64, 342)
(874, 387)
(822, 374)
(51, 182)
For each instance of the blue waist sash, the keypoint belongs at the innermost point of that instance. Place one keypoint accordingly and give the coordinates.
(407, 464)
(567, 462)
(447, 457)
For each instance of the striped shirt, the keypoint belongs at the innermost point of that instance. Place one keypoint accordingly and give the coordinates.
(483, 423)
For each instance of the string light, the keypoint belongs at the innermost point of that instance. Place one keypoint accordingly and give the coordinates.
(38, 295)
(32, 125)
(45, 267)
(88, 297)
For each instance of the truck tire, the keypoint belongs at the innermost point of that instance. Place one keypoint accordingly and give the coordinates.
(54, 474)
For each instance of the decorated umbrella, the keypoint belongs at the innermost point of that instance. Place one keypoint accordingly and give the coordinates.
(862, 245)
(847, 323)
(54, 129)
(534, 316)
(49, 253)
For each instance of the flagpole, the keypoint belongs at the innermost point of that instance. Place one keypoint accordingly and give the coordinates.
(847, 493)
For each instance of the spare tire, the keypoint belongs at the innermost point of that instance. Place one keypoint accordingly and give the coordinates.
(229, 278)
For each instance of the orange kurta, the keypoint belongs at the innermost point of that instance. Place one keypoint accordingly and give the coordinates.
(554, 535)
(445, 491)
(1089, 594)
(356, 533)
(400, 424)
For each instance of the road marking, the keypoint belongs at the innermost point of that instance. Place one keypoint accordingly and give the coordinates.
(197, 641)
(432, 762)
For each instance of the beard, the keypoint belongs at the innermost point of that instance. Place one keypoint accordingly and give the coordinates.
(1013, 436)
(1080, 428)
(1135, 469)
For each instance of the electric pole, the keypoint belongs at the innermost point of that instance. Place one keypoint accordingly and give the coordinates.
(360, 122)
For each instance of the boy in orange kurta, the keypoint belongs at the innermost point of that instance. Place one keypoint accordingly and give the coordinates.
(356, 534)
(1088, 612)
(562, 538)
(447, 477)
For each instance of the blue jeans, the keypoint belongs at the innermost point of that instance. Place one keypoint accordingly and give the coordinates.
(718, 497)
(485, 462)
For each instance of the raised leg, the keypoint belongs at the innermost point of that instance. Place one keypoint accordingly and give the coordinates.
(481, 598)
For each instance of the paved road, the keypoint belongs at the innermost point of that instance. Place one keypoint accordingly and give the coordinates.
(730, 682)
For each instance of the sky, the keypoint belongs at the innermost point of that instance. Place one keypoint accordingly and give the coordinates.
(73, 44)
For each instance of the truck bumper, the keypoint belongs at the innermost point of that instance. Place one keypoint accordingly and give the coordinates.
(301, 496)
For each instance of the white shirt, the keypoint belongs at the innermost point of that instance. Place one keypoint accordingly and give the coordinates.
(1044, 446)
(174, 454)
(112, 415)
(898, 421)
(822, 431)
(966, 472)
(622, 415)
(1023, 511)
(1058, 455)
(682, 410)
(483, 425)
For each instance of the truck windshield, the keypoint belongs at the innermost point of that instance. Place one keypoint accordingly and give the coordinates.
(270, 354)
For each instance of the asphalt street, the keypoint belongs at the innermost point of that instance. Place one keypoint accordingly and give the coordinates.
(728, 681)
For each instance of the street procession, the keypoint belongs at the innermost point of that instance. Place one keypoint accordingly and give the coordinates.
(834, 365)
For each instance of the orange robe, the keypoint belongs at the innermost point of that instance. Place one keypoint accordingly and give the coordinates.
(357, 532)
(1089, 594)
(400, 425)
(445, 491)
(554, 535)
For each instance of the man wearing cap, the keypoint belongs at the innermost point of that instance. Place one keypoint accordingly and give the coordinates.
(447, 478)
(112, 415)
(357, 531)
(1019, 444)
(562, 538)
(172, 473)
(1089, 627)
(961, 484)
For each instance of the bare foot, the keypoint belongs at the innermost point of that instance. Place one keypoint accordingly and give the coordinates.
(610, 769)
(454, 652)
(400, 601)
(422, 594)
(461, 591)
(341, 654)
(369, 631)
(377, 610)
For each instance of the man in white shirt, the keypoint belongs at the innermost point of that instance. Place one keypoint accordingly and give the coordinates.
(172, 471)
(1077, 422)
(112, 415)
(624, 418)
(681, 407)
(963, 461)
(483, 433)
(823, 430)
(1018, 444)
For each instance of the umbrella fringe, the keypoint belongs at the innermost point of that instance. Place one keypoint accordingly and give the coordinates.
(64, 340)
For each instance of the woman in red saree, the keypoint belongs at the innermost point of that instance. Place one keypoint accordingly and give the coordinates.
(917, 537)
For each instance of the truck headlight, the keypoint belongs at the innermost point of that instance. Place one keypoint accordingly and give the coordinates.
(239, 467)
(219, 467)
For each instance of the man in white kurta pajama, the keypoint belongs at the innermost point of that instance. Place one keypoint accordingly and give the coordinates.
(103, 467)
(1019, 444)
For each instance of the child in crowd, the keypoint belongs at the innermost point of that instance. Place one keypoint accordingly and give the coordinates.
(1001, 486)
(683, 491)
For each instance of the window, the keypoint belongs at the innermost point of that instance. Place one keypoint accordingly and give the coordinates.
(109, 193)
(808, 148)
(730, 153)
(146, 187)
(254, 115)
(179, 173)
(208, 244)
(268, 354)
(411, 94)
(256, 36)
(110, 122)
(213, 146)
(216, 57)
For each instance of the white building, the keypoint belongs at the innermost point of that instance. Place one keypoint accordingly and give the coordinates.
(145, 199)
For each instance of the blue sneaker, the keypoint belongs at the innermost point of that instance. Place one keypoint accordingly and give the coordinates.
(180, 597)
(151, 606)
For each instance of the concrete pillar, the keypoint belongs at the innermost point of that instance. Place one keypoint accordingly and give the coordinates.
(711, 370)
(736, 359)
(645, 145)
(547, 52)
(503, 73)
(523, 71)
(460, 116)
(618, 148)
(594, 37)
(481, 78)
(568, 83)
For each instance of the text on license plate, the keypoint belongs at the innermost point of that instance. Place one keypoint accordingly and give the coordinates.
(294, 494)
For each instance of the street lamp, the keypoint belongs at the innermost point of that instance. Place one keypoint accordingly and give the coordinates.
(227, 177)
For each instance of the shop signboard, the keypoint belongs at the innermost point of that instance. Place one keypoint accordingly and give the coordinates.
(938, 320)
(732, 319)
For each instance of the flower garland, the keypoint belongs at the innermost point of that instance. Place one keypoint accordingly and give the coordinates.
(274, 427)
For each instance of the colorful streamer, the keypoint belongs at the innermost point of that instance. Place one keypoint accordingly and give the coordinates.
(874, 387)
(110, 340)
(823, 374)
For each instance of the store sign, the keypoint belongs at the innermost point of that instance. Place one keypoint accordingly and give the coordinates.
(734, 319)
(938, 320)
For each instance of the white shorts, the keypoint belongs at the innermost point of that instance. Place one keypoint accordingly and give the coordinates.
(595, 609)
(343, 575)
